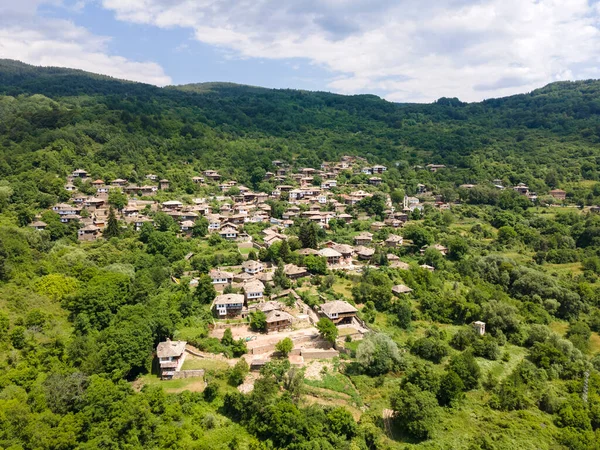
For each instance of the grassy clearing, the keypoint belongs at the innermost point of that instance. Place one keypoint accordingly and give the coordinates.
(174, 386)
(472, 422)
(559, 328)
(595, 344)
(565, 269)
(336, 382)
(501, 369)
(193, 363)
(343, 287)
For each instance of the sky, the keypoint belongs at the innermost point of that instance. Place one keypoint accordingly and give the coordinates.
(401, 50)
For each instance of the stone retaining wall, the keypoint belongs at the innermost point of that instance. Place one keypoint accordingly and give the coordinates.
(319, 354)
(188, 374)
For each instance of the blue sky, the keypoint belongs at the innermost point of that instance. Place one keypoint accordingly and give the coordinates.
(402, 50)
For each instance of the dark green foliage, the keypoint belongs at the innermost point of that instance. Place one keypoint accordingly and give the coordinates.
(112, 225)
(376, 287)
(579, 334)
(258, 321)
(205, 292)
(465, 366)
(308, 235)
(430, 348)
(416, 411)
(451, 388)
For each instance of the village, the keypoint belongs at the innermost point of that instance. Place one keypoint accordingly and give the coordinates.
(311, 196)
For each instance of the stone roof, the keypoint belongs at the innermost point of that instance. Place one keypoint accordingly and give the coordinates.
(308, 251)
(277, 316)
(269, 306)
(329, 253)
(251, 264)
(401, 289)
(343, 249)
(394, 238)
(254, 286)
(216, 273)
(292, 269)
(227, 299)
(170, 348)
(38, 223)
(338, 306)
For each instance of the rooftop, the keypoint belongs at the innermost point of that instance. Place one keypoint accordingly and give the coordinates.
(170, 348)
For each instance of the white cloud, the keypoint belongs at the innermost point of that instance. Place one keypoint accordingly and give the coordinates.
(413, 50)
(57, 42)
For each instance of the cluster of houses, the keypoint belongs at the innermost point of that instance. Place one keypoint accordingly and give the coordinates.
(227, 213)
(524, 190)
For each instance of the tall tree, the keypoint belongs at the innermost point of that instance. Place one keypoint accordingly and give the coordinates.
(112, 225)
(205, 292)
(308, 235)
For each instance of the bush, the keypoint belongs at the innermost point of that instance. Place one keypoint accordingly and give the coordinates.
(430, 348)
(416, 411)
(211, 391)
(378, 354)
(239, 372)
(285, 346)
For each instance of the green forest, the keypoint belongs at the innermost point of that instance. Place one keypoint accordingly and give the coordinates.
(80, 320)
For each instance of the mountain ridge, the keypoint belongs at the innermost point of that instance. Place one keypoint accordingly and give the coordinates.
(30, 71)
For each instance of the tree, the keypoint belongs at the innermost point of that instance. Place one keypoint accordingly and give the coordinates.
(18, 337)
(458, 247)
(285, 346)
(163, 221)
(327, 329)
(258, 321)
(239, 372)
(284, 251)
(418, 235)
(430, 348)
(451, 388)
(375, 286)
(506, 235)
(200, 227)
(205, 292)
(403, 311)
(227, 339)
(465, 366)
(117, 198)
(316, 264)
(378, 354)
(112, 225)
(4, 325)
(374, 205)
(579, 333)
(280, 278)
(415, 411)
(308, 235)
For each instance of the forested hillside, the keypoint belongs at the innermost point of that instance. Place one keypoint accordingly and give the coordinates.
(128, 211)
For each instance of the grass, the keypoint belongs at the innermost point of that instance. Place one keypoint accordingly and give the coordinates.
(501, 369)
(336, 382)
(565, 269)
(343, 287)
(595, 344)
(559, 328)
(174, 386)
(214, 365)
